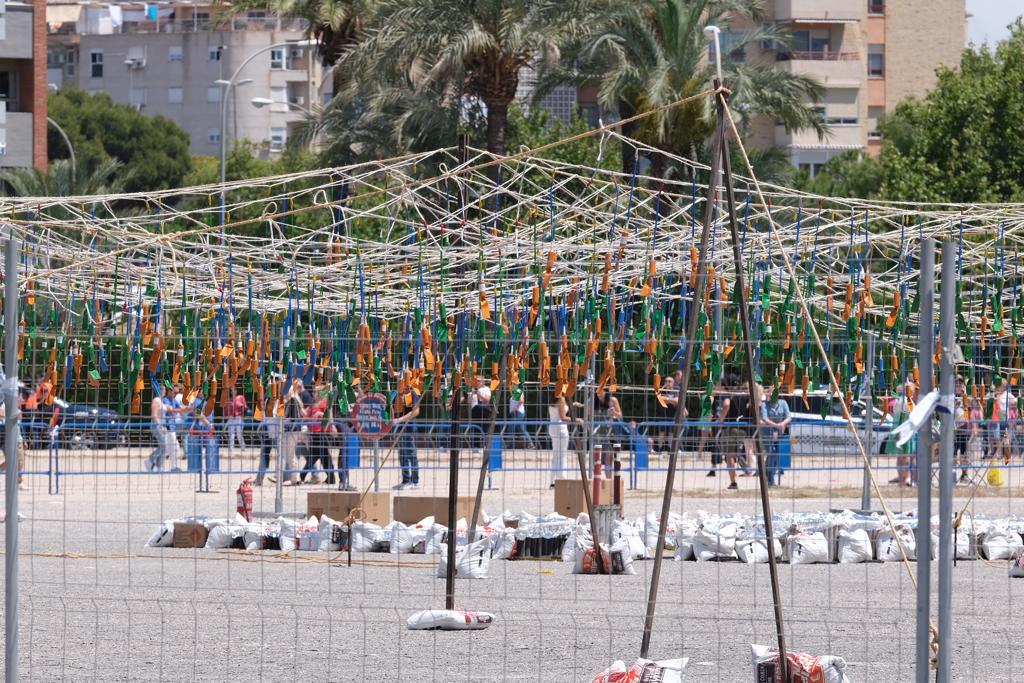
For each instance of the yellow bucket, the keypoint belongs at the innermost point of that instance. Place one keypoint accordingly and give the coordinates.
(995, 476)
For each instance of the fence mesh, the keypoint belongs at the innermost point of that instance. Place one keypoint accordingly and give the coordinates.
(171, 348)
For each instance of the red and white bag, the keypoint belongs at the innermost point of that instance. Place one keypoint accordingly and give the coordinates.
(666, 671)
(803, 668)
(449, 620)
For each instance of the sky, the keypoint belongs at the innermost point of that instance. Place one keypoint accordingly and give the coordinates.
(990, 18)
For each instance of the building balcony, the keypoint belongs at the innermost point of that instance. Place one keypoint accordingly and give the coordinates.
(842, 136)
(16, 139)
(829, 68)
(829, 11)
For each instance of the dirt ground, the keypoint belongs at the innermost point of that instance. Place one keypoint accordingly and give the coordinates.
(97, 605)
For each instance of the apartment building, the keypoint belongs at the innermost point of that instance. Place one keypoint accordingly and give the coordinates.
(23, 84)
(869, 55)
(176, 58)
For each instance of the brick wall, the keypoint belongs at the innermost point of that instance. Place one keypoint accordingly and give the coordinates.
(39, 88)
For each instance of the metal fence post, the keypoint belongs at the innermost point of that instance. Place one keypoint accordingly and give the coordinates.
(11, 454)
(947, 385)
(926, 337)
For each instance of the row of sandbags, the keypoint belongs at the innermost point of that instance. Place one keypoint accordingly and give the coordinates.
(812, 538)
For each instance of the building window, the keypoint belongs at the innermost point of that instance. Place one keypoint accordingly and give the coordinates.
(277, 58)
(277, 138)
(279, 96)
(175, 95)
(9, 89)
(731, 47)
(213, 54)
(213, 135)
(876, 6)
(137, 97)
(201, 20)
(96, 63)
(876, 60)
(213, 93)
(174, 54)
(875, 115)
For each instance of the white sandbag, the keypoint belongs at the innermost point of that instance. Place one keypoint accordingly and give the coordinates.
(1016, 569)
(666, 671)
(307, 535)
(1000, 543)
(403, 539)
(807, 548)
(965, 543)
(289, 533)
(755, 550)
(255, 535)
(503, 545)
(802, 667)
(162, 537)
(222, 536)
(623, 530)
(714, 542)
(433, 538)
(329, 534)
(471, 562)
(365, 537)
(578, 541)
(887, 548)
(853, 547)
(651, 524)
(617, 559)
(684, 540)
(449, 620)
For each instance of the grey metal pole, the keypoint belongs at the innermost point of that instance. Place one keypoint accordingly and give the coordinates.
(926, 348)
(11, 453)
(697, 300)
(376, 465)
(947, 380)
(279, 485)
(869, 421)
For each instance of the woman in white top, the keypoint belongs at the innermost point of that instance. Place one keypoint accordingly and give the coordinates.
(558, 430)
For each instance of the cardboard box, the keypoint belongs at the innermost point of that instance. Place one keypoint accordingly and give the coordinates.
(569, 499)
(190, 535)
(338, 504)
(412, 509)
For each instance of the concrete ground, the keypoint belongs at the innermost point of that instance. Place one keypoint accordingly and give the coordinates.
(97, 605)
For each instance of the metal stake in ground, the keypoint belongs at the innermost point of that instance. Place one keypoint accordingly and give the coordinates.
(496, 401)
(868, 394)
(11, 453)
(754, 394)
(697, 298)
(947, 382)
(926, 344)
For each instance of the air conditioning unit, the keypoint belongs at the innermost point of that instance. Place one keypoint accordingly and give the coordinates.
(295, 53)
(299, 100)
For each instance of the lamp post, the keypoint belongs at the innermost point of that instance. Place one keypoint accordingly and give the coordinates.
(71, 151)
(228, 85)
(260, 102)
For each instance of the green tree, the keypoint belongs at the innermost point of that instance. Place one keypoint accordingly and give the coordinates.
(152, 150)
(850, 174)
(650, 53)
(466, 48)
(964, 142)
(535, 127)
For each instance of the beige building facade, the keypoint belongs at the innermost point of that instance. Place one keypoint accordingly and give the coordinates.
(869, 55)
(173, 59)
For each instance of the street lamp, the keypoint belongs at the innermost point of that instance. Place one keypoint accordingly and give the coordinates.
(224, 103)
(228, 85)
(71, 151)
(260, 102)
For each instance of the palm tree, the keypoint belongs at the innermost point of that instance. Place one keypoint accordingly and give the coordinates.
(101, 179)
(335, 24)
(650, 53)
(468, 49)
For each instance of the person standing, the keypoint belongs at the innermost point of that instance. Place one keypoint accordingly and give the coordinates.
(964, 429)
(558, 430)
(268, 437)
(291, 439)
(517, 411)
(406, 409)
(775, 419)
(158, 428)
(711, 434)
(480, 406)
(21, 447)
(235, 412)
(668, 396)
(735, 430)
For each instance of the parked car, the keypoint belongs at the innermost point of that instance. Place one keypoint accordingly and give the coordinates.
(812, 434)
(79, 426)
